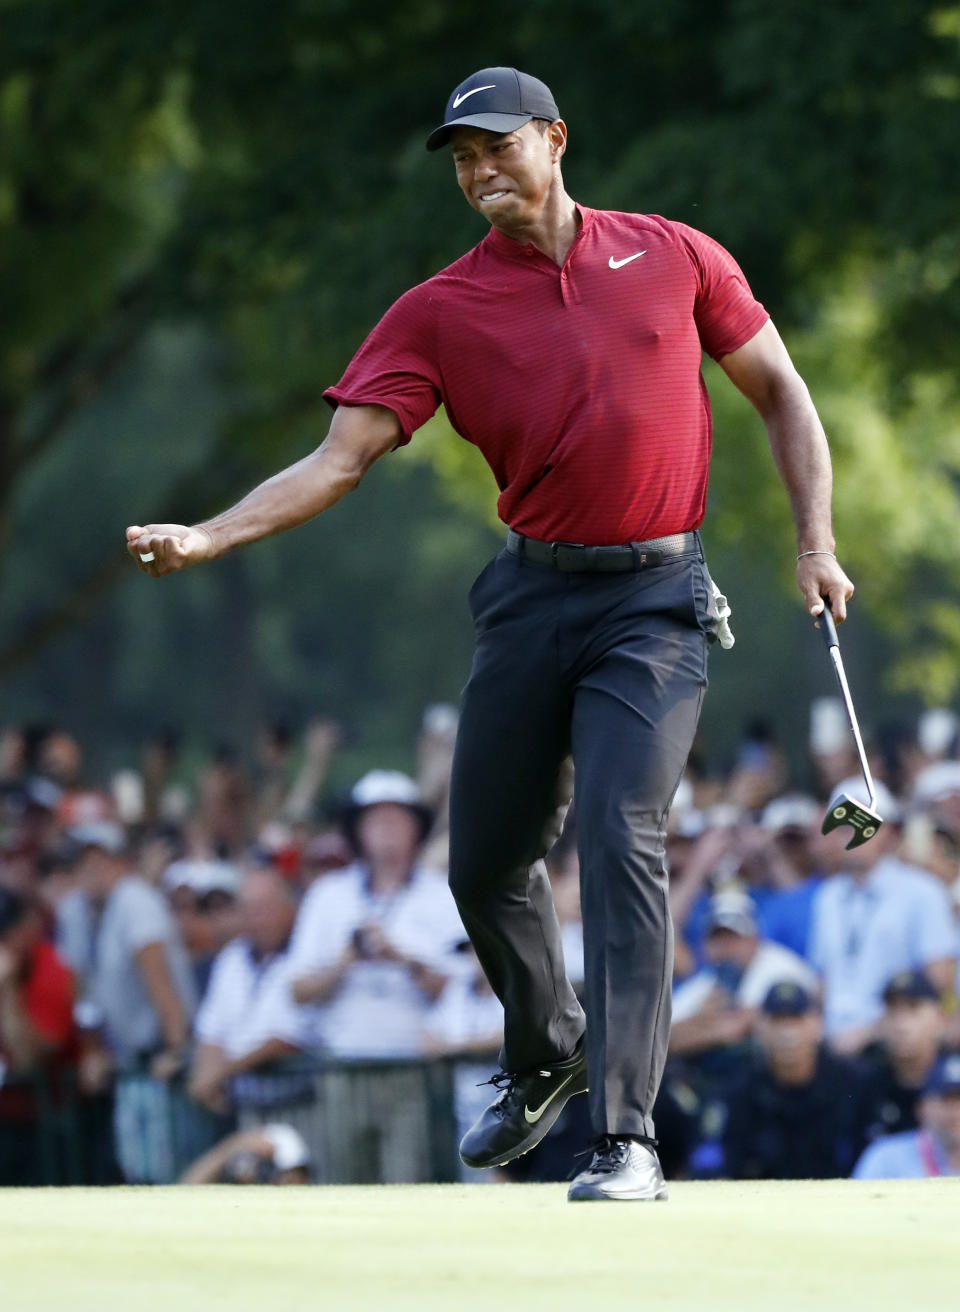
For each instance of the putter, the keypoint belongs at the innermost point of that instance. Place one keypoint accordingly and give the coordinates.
(864, 819)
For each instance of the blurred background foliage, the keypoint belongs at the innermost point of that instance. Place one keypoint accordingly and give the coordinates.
(203, 208)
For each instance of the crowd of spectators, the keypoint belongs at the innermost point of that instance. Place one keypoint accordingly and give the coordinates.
(180, 949)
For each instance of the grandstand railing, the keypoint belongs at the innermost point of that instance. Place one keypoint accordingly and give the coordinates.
(363, 1122)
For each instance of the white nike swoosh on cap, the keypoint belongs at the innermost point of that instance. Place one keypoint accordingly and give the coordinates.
(618, 264)
(458, 101)
(533, 1116)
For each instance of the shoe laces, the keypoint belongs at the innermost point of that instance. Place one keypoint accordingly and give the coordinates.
(508, 1084)
(610, 1151)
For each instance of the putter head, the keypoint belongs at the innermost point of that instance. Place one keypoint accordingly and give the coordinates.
(846, 810)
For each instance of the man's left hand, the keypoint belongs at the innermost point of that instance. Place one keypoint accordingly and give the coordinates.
(820, 576)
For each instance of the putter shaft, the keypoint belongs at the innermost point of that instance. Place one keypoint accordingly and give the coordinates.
(829, 631)
(855, 727)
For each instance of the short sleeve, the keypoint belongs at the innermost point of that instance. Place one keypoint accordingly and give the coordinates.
(213, 1018)
(277, 1015)
(315, 943)
(145, 916)
(725, 311)
(397, 366)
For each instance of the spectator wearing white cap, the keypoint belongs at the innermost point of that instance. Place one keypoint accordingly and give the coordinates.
(934, 1148)
(203, 897)
(375, 943)
(875, 916)
(716, 1006)
(248, 1019)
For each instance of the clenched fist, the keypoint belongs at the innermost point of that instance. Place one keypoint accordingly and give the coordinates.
(162, 548)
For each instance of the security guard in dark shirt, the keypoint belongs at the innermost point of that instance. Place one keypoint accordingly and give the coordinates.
(796, 1114)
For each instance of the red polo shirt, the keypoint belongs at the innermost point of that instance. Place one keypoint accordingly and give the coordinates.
(46, 996)
(581, 386)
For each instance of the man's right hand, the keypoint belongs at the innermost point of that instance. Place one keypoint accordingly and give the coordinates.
(174, 546)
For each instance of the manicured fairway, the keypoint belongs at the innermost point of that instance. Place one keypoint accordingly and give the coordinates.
(835, 1247)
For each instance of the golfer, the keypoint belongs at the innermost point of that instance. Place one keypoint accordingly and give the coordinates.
(567, 347)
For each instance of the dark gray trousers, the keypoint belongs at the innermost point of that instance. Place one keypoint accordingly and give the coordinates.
(611, 669)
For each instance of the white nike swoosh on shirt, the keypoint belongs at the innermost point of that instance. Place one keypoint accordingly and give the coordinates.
(458, 101)
(618, 264)
(533, 1116)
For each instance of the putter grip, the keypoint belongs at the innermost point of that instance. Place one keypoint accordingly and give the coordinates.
(827, 627)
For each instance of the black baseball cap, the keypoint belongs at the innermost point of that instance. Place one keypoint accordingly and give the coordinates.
(788, 999)
(944, 1076)
(498, 99)
(915, 985)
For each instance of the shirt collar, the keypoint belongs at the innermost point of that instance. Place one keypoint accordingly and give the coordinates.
(520, 251)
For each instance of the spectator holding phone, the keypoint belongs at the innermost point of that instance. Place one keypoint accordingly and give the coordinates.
(375, 943)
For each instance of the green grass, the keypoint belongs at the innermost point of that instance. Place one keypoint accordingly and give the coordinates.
(830, 1247)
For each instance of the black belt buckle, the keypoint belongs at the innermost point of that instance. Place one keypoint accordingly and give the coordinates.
(567, 555)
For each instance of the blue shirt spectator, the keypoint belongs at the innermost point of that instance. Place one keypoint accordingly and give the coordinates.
(912, 1155)
(870, 925)
(933, 1149)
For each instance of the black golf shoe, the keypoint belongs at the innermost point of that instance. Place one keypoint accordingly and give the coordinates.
(524, 1111)
(620, 1169)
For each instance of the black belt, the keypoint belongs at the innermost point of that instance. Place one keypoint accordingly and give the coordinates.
(571, 556)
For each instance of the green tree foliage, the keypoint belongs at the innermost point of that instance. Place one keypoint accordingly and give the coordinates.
(251, 179)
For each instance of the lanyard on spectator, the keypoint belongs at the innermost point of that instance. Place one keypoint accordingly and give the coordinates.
(928, 1153)
(379, 907)
(862, 905)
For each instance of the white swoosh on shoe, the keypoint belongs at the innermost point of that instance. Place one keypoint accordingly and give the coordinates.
(533, 1116)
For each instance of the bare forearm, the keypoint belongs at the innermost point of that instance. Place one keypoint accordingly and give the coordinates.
(289, 498)
(153, 966)
(358, 436)
(269, 1050)
(764, 373)
(209, 1069)
(431, 981)
(802, 457)
(208, 1168)
(321, 986)
(693, 1035)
